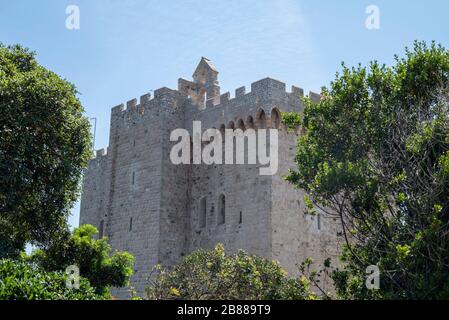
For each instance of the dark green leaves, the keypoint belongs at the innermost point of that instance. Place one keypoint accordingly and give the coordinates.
(23, 281)
(44, 146)
(92, 257)
(375, 151)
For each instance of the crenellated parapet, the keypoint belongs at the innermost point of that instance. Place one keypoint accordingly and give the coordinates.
(200, 99)
(315, 97)
(99, 156)
(260, 107)
(102, 152)
(147, 106)
(262, 92)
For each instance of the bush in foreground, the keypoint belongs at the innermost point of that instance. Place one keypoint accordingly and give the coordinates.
(213, 275)
(93, 258)
(25, 281)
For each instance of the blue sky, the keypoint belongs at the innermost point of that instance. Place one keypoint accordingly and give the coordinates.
(124, 49)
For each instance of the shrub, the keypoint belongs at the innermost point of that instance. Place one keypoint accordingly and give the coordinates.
(92, 257)
(25, 281)
(213, 275)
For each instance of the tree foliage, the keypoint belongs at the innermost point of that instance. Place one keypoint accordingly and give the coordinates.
(213, 275)
(375, 153)
(23, 281)
(91, 256)
(10, 246)
(44, 145)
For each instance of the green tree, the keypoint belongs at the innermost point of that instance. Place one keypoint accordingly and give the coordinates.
(213, 275)
(375, 154)
(44, 145)
(23, 281)
(10, 245)
(91, 256)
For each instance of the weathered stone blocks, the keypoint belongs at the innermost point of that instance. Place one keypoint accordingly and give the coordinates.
(134, 180)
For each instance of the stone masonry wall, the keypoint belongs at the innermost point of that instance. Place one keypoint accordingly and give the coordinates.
(150, 207)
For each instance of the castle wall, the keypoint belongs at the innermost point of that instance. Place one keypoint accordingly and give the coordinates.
(153, 208)
(247, 208)
(297, 236)
(249, 204)
(135, 205)
(95, 190)
(174, 216)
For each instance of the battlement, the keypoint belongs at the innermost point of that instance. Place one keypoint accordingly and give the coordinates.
(262, 89)
(204, 90)
(203, 93)
(135, 106)
(131, 105)
(268, 85)
(165, 92)
(100, 154)
(315, 97)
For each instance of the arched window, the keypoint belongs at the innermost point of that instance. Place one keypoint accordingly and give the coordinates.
(275, 119)
(131, 224)
(202, 213)
(101, 230)
(250, 122)
(241, 125)
(221, 209)
(261, 119)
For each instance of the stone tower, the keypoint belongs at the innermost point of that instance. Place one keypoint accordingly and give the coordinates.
(160, 211)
